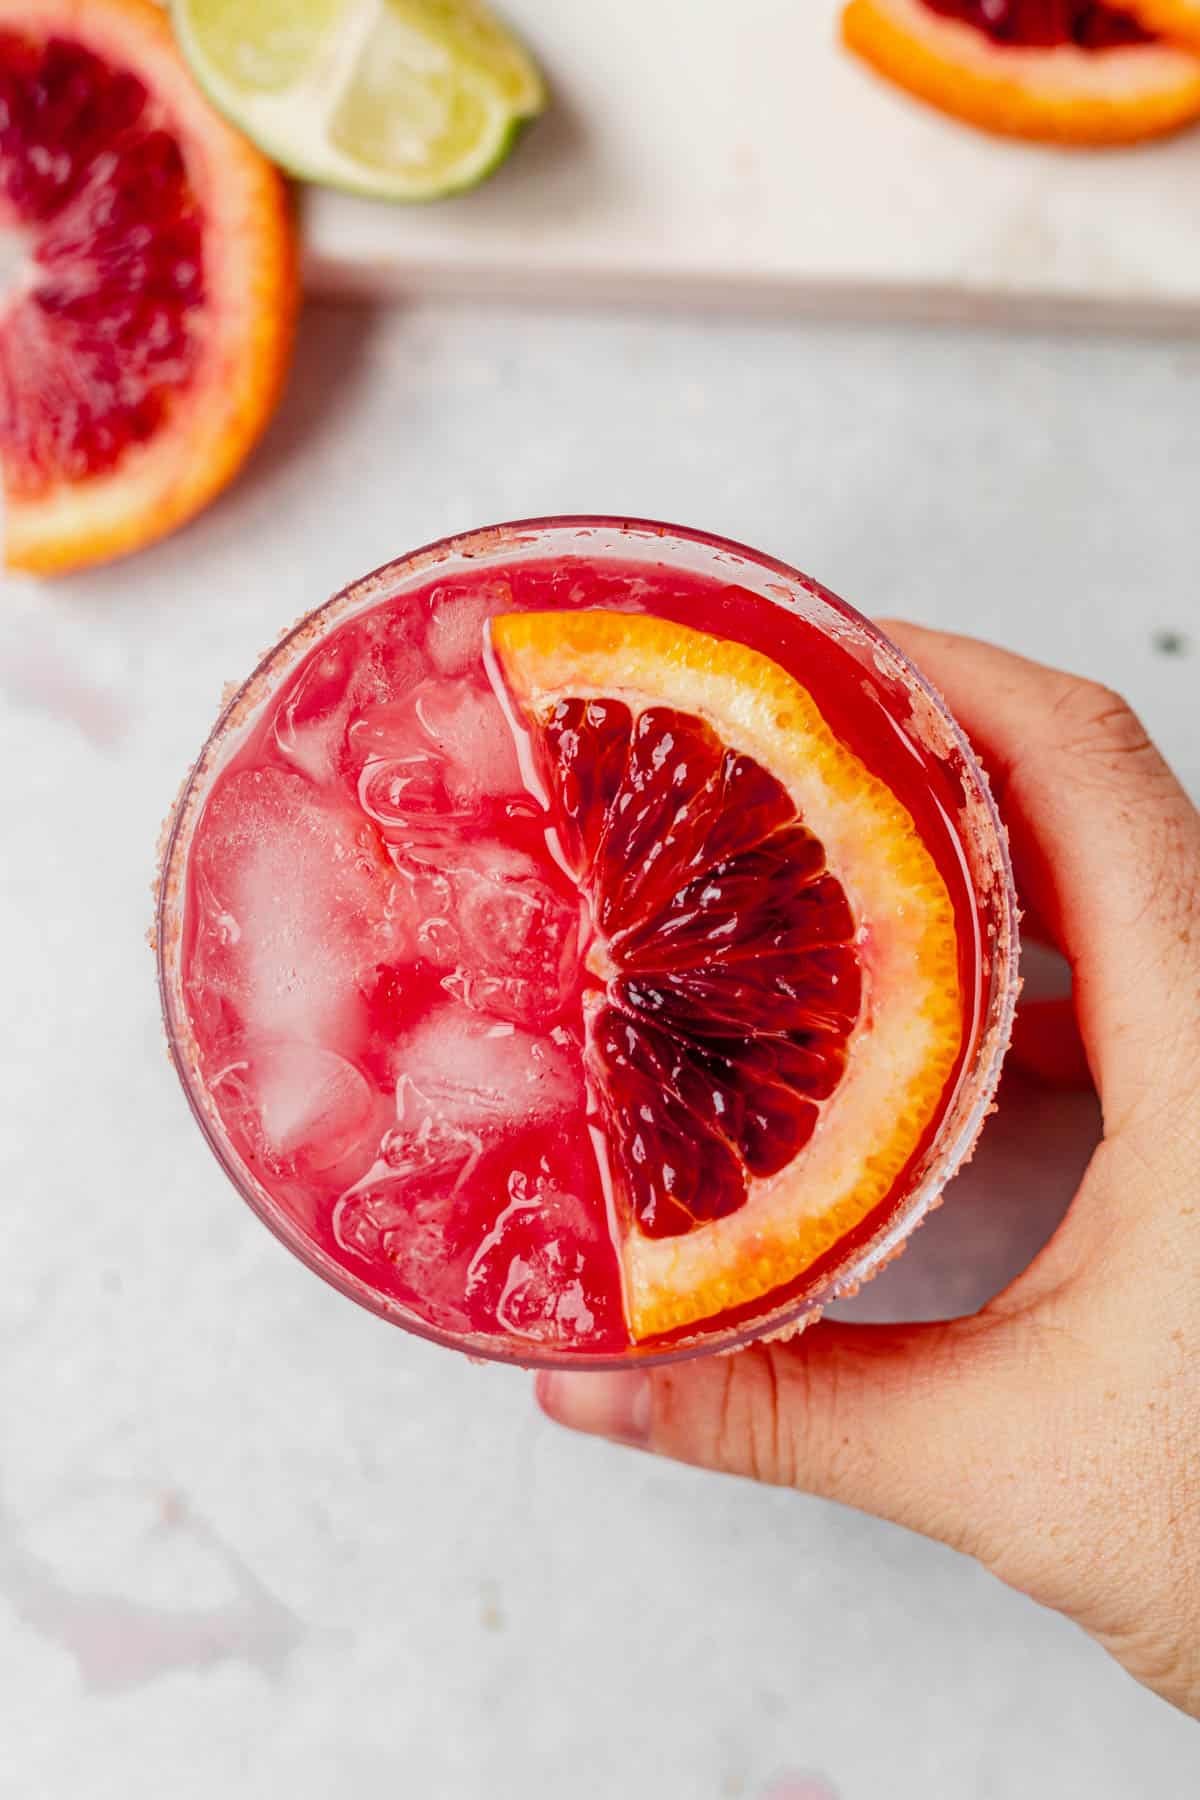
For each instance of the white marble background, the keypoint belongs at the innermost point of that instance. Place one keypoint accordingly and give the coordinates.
(252, 1541)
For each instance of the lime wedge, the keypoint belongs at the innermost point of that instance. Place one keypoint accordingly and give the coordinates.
(402, 99)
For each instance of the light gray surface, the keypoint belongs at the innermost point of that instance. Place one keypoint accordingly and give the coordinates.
(252, 1541)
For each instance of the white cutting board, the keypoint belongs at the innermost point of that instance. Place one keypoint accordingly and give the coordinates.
(730, 150)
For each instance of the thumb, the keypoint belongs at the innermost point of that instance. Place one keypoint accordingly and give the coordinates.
(919, 1424)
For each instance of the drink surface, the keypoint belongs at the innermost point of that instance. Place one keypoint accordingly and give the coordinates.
(392, 968)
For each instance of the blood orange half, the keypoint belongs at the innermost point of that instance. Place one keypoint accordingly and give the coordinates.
(775, 1007)
(1064, 71)
(146, 333)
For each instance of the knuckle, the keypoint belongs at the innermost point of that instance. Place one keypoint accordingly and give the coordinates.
(670, 1425)
(729, 1429)
(742, 1425)
(1096, 726)
(816, 1442)
(751, 1436)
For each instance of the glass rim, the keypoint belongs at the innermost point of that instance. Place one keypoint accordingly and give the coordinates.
(951, 1146)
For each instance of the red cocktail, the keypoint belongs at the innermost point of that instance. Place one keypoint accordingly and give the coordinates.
(586, 940)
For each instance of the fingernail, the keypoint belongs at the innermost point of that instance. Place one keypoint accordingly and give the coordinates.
(612, 1406)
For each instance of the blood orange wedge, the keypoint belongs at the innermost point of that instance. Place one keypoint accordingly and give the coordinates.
(145, 335)
(1065, 71)
(775, 1008)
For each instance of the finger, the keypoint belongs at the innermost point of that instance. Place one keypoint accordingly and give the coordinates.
(907, 1422)
(1046, 1043)
(1106, 844)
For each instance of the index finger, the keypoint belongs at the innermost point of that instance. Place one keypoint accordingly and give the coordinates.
(1106, 847)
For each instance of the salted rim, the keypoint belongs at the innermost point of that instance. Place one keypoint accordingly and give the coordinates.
(984, 843)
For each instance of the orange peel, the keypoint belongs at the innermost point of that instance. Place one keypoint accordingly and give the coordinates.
(1176, 20)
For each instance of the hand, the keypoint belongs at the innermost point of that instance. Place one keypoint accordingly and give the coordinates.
(1056, 1435)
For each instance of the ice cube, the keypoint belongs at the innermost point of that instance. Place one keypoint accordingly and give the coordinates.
(388, 733)
(370, 1208)
(506, 939)
(368, 664)
(480, 1077)
(459, 614)
(302, 1106)
(420, 905)
(442, 752)
(413, 1233)
(293, 902)
(400, 773)
(311, 718)
(466, 725)
(516, 947)
(399, 791)
(425, 1141)
(535, 1269)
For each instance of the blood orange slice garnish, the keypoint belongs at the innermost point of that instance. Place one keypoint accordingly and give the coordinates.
(1064, 71)
(147, 328)
(776, 1009)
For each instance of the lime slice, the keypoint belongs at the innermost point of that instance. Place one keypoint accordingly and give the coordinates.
(402, 99)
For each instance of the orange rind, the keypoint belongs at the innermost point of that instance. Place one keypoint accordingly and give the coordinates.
(1176, 20)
